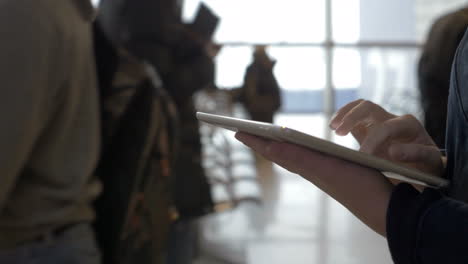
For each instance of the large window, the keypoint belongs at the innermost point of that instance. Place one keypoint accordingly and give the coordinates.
(328, 52)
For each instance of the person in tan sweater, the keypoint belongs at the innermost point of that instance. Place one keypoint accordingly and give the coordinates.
(49, 142)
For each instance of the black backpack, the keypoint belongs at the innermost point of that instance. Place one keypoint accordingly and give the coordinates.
(260, 92)
(139, 141)
(152, 30)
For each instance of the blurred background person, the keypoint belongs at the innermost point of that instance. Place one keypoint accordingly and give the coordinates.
(183, 58)
(152, 30)
(260, 93)
(49, 144)
(139, 128)
(434, 70)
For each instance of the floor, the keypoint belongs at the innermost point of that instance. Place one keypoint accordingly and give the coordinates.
(278, 217)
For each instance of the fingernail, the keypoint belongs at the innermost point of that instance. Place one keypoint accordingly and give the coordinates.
(339, 131)
(333, 125)
(239, 137)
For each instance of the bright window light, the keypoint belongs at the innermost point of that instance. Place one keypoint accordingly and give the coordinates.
(346, 20)
(265, 21)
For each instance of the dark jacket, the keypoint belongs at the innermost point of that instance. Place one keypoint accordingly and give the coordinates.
(152, 30)
(432, 227)
(261, 93)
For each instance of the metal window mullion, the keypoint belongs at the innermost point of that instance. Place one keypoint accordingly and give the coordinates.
(359, 45)
(328, 108)
(329, 92)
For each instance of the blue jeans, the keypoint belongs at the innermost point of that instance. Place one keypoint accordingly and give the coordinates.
(76, 245)
(181, 242)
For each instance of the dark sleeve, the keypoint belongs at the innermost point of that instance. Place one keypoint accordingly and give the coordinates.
(426, 227)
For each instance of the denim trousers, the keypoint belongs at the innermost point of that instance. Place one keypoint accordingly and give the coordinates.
(75, 245)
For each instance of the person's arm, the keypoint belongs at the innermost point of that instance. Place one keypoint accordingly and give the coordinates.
(426, 227)
(365, 192)
(26, 77)
(420, 227)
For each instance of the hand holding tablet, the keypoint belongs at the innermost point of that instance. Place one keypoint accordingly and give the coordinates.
(284, 134)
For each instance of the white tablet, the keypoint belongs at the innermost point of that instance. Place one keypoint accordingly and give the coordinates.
(281, 133)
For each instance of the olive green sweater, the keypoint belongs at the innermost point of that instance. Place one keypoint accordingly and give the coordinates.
(49, 134)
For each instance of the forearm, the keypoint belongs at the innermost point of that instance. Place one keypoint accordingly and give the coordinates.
(364, 192)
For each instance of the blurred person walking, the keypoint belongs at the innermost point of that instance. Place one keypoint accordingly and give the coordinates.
(261, 93)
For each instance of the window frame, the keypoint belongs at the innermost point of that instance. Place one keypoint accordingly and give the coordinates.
(329, 46)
